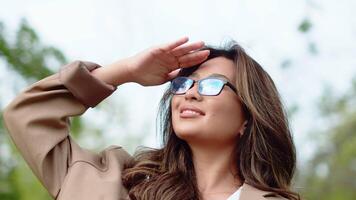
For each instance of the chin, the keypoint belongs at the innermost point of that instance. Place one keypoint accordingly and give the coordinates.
(192, 135)
(186, 134)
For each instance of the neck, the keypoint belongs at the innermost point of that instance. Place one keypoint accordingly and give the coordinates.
(215, 168)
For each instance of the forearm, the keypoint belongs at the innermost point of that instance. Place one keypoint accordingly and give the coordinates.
(114, 74)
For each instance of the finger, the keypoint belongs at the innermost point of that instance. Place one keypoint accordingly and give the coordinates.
(172, 45)
(173, 74)
(193, 58)
(182, 50)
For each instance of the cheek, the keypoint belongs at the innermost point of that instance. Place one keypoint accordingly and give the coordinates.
(226, 117)
(174, 105)
(175, 114)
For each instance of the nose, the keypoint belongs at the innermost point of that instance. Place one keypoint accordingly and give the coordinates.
(193, 93)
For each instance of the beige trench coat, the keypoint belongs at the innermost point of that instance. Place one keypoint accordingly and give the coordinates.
(38, 123)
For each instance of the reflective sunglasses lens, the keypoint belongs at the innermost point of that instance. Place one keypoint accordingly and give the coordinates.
(211, 86)
(180, 85)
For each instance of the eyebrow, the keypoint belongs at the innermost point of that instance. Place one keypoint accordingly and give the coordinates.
(211, 75)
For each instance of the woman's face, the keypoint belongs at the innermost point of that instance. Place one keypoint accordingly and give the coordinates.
(222, 116)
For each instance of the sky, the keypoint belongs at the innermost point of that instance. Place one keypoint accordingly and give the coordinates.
(106, 31)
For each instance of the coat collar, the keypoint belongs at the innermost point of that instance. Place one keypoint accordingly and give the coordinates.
(249, 192)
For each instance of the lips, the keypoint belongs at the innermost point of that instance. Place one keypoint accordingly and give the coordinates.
(191, 109)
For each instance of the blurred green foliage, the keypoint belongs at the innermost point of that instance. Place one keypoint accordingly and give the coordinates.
(305, 26)
(26, 55)
(331, 174)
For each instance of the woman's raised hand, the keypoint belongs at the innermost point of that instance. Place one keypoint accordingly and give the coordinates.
(159, 64)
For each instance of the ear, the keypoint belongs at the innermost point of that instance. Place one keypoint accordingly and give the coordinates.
(243, 127)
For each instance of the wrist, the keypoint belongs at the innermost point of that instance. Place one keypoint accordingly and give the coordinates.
(114, 74)
(128, 69)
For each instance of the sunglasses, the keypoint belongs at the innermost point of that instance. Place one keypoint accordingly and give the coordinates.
(207, 86)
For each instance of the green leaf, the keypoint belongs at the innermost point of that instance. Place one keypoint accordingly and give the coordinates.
(305, 26)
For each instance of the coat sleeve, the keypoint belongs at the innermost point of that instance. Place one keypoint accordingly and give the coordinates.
(38, 121)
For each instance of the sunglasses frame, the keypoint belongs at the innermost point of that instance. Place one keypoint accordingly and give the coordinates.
(225, 82)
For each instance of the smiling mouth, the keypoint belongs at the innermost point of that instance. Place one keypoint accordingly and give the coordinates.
(190, 114)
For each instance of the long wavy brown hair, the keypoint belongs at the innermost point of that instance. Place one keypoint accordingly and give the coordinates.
(265, 153)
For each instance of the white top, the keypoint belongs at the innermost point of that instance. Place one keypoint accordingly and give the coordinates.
(235, 195)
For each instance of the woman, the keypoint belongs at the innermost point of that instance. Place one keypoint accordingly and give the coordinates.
(225, 134)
